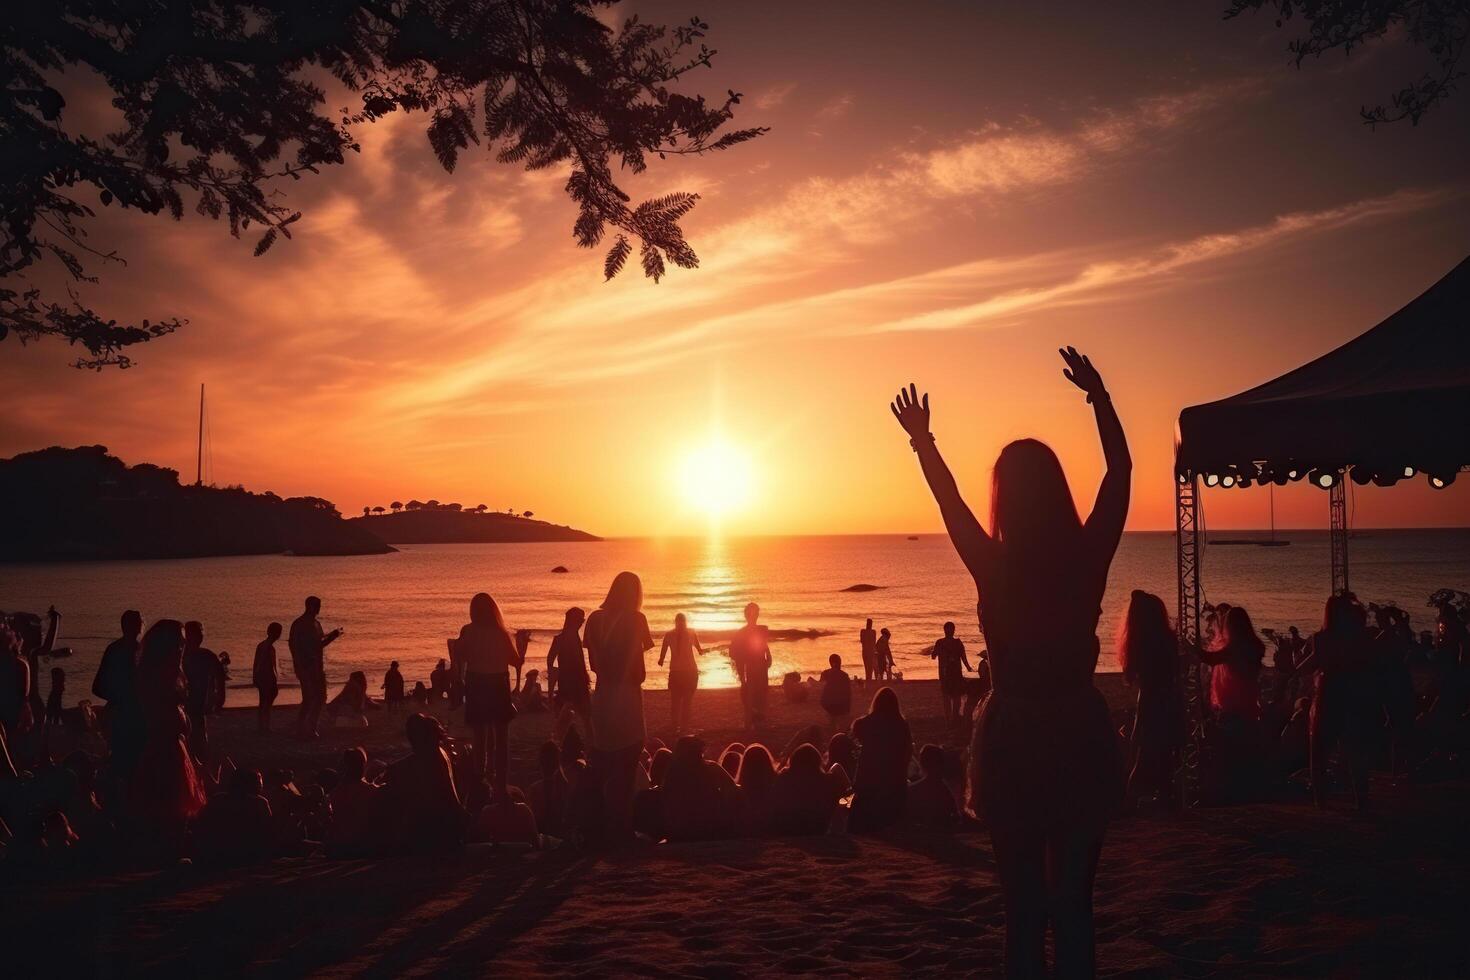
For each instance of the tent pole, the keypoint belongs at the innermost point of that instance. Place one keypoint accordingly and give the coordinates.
(1188, 548)
(1338, 521)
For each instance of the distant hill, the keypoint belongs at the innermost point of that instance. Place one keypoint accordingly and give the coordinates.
(443, 525)
(83, 504)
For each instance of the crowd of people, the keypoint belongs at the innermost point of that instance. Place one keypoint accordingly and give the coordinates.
(1045, 772)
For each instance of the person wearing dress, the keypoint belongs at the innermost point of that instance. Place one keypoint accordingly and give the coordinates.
(617, 638)
(681, 645)
(486, 652)
(1045, 772)
(166, 790)
(1148, 653)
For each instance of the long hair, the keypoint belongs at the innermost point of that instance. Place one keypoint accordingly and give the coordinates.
(625, 594)
(885, 705)
(1031, 506)
(757, 769)
(163, 647)
(1240, 634)
(1147, 648)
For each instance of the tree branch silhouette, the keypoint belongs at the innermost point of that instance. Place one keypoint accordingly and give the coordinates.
(218, 106)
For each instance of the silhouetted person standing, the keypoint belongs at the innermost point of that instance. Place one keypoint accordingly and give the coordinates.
(206, 682)
(681, 645)
(308, 643)
(264, 676)
(116, 683)
(487, 653)
(883, 655)
(566, 670)
(393, 686)
(949, 651)
(868, 641)
(750, 649)
(1045, 773)
(1148, 652)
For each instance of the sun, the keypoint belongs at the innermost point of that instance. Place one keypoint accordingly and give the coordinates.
(716, 478)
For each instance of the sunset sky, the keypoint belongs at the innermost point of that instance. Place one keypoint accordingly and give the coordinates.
(948, 193)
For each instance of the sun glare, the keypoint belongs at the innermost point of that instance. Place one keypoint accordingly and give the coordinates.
(716, 479)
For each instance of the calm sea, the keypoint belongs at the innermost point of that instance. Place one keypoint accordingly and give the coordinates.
(403, 606)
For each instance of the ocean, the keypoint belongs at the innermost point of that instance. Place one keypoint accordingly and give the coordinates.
(404, 606)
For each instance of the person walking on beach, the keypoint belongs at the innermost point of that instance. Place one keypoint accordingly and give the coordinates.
(566, 673)
(308, 648)
(487, 652)
(949, 651)
(683, 644)
(116, 683)
(750, 649)
(868, 641)
(1044, 770)
(264, 677)
(617, 638)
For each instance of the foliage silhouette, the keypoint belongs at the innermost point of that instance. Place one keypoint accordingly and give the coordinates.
(1441, 27)
(220, 100)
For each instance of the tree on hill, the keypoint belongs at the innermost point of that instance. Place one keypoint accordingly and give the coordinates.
(414, 505)
(367, 511)
(480, 508)
(432, 505)
(396, 506)
(455, 507)
(378, 510)
(528, 515)
(220, 101)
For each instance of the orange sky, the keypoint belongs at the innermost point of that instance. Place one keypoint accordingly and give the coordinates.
(946, 196)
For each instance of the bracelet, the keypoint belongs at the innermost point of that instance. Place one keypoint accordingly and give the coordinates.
(914, 442)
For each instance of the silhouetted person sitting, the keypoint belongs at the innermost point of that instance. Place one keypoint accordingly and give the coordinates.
(265, 678)
(422, 804)
(931, 804)
(308, 644)
(235, 826)
(420, 694)
(949, 651)
(1045, 771)
(750, 652)
(836, 695)
(351, 703)
(504, 819)
(700, 799)
(880, 785)
(393, 686)
(841, 761)
(531, 697)
(116, 684)
(356, 808)
(757, 782)
(803, 797)
(1148, 652)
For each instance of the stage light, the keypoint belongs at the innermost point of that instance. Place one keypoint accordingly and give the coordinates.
(1293, 474)
(1211, 479)
(1326, 479)
(1408, 472)
(1227, 481)
(1441, 480)
(1183, 479)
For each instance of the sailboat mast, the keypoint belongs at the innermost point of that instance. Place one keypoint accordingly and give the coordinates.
(1273, 512)
(199, 459)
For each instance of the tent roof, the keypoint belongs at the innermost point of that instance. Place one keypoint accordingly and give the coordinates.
(1397, 396)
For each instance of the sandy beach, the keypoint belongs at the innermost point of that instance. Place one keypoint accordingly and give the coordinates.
(1269, 890)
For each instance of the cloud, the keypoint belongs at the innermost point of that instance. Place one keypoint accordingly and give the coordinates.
(773, 96)
(836, 108)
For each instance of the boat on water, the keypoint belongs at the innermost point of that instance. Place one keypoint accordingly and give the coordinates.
(1271, 542)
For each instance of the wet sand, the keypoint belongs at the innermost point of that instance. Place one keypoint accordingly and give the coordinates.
(1266, 890)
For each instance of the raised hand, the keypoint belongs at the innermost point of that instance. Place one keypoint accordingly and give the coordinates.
(912, 412)
(1080, 372)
